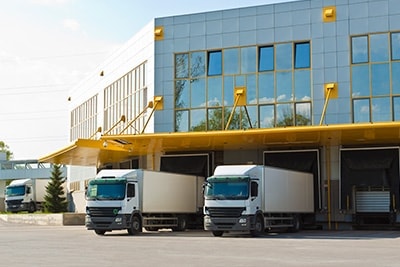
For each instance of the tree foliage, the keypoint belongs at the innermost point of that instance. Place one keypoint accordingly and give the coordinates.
(6, 149)
(55, 200)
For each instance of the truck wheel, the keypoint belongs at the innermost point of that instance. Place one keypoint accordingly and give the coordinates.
(136, 225)
(296, 224)
(182, 224)
(32, 208)
(218, 233)
(99, 232)
(258, 226)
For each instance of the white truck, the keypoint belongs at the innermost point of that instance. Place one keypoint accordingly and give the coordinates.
(131, 199)
(256, 198)
(25, 195)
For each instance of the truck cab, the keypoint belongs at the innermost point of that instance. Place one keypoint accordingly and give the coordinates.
(19, 196)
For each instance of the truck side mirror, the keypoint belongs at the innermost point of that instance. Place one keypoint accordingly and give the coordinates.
(28, 190)
(254, 189)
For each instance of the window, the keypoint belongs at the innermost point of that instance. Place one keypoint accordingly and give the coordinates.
(231, 61)
(284, 57)
(359, 46)
(197, 64)
(395, 41)
(266, 58)
(181, 66)
(380, 109)
(360, 80)
(361, 110)
(396, 108)
(380, 79)
(214, 63)
(379, 49)
(181, 94)
(302, 55)
(248, 59)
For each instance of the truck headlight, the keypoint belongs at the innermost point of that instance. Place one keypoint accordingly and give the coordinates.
(243, 220)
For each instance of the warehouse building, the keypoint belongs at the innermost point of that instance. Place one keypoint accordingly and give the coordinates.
(310, 85)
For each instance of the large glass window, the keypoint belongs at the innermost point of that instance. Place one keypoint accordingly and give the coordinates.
(197, 64)
(214, 63)
(381, 109)
(266, 88)
(266, 58)
(379, 49)
(284, 56)
(396, 108)
(302, 55)
(283, 86)
(231, 61)
(303, 114)
(395, 45)
(396, 77)
(359, 46)
(361, 110)
(360, 80)
(267, 116)
(380, 79)
(181, 66)
(214, 92)
(302, 85)
(182, 94)
(248, 59)
(182, 121)
(198, 93)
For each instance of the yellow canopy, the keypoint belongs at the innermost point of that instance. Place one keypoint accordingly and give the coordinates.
(116, 148)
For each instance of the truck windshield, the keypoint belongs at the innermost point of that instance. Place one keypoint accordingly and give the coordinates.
(227, 188)
(106, 190)
(15, 190)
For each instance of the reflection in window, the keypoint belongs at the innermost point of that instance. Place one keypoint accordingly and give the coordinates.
(396, 108)
(197, 64)
(285, 115)
(266, 88)
(181, 94)
(228, 90)
(215, 121)
(395, 41)
(251, 89)
(302, 55)
(380, 79)
(231, 61)
(359, 46)
(283, 86)
(379, 47)
(303, 114)
(360, 80)
(361, 110)
(198, 93)
(182, 121)
(381, 109)
(284, 57)
(214, 92)
(198, 120)
(396, 77)
(248, 59)
(181, 65)
(302, 85)
(266, 58)
(214, 63)
(267, 116)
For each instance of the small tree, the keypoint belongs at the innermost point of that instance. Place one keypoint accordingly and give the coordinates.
(55, 200)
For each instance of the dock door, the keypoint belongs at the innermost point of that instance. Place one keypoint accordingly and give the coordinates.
(370, 185)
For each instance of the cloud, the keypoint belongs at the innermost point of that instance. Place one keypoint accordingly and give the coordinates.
(71, 24)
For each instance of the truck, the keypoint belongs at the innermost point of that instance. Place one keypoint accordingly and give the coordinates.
(255, 199)
(133, 199)
(25, 195)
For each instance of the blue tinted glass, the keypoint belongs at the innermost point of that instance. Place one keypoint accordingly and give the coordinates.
(396, 108)
(284, 115)
(266, 58)
(360, 80)
(182, 94)
(197, 64)
(231, 61)
(361, 110)
(182, 121)
(396, 77)
(395, 46)
(381, 109)
(198, 120)
(266, 88)
(214, 63)
(248, 59)
(253, 114)
(303, 114)
(302, 55)
(198, 93)
(302, 85)
(214, 92)
(240, 80)
(359, 52)
(251, 90)
(181, 65)
(214, 119)
(379, 45)
(267, 116)
(283, 86)
(284, 56)
(228, 90)
(380, 79)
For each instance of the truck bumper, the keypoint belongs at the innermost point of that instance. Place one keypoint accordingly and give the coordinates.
(242, 223)
(119, 222)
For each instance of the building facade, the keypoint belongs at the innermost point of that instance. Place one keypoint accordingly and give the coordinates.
(305, 85)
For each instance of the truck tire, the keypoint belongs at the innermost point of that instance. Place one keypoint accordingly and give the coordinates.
(218, 233)
(99, 232)
(182, 224)
(32, 207)
(136, 225)
(296, 224)
(258, 226)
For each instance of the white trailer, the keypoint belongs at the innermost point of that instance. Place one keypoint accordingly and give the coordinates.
(256, 198)
(25, 195)
(132, 199)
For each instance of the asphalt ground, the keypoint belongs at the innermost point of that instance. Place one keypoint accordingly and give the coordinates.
(32, 245)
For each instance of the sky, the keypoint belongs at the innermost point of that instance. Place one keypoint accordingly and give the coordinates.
(48, 46)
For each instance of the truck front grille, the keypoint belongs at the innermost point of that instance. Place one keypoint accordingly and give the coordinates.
(103, 212)
(14, 202)
(225, 212)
